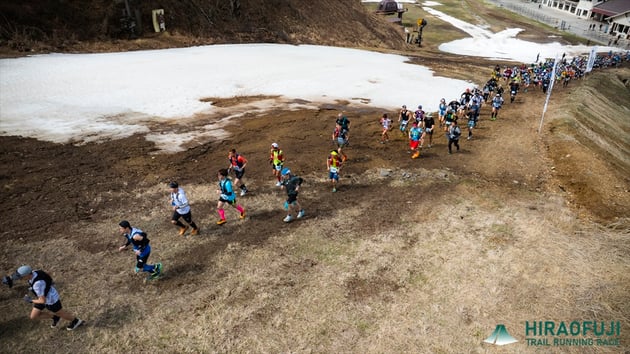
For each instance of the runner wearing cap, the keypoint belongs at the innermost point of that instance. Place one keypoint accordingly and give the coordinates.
(276, 159)
(181, 209)
(333, 165)
(46, 298)
(497, 102)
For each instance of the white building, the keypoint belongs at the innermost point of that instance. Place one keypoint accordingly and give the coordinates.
(614, 13)
(580, 8)
(585, 7)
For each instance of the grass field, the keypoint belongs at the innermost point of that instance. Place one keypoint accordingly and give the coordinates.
(409, 256)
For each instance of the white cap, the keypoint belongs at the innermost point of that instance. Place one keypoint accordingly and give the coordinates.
(23, 271)
(274, 145)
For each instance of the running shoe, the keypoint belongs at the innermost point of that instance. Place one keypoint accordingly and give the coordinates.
(75, 324)
(221, 222)
(300, 214)
(158, 269)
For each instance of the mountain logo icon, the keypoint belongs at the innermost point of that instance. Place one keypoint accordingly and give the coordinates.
(500, 336)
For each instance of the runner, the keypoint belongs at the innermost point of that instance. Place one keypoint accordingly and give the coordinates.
(453, 136)
(497, 102)
(476, 102)
(403, 120)
(237, 164)
(465, 97)
(181, 209)
(514, 86)
(419, 115)
(340, 139)
(276, 159)
(46, 297)
(344, 122)
(416, 137)
(449, 118)
(472, 122)
(292, 184)
(429, 125)
(226, 196)
(334, 164)
(140, 245)
(386, 124)
(453, 106)
(442, 111)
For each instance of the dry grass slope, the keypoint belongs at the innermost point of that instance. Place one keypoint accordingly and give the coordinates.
(423, 255)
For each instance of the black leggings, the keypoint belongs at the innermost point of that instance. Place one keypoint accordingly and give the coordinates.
(187, 217)
(451, 142)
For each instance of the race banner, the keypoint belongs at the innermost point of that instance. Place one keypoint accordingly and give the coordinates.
(591, 60)
(552, 79)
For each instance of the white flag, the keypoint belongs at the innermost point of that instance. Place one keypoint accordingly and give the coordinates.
(552, 79)
(591, 60)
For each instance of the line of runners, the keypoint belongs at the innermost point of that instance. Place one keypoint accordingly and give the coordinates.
(467, 106)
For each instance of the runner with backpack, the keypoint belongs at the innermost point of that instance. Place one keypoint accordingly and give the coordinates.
(141, 248)
(46, 297)
(226, 196)
(453, 136)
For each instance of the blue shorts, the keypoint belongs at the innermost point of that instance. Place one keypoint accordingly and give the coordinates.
(471, 124)
(333, 175)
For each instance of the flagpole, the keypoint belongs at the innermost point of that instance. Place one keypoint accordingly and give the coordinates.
(552, 80)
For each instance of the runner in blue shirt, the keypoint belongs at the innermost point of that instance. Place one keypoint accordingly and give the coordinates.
(226, 196)
(140, 245)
